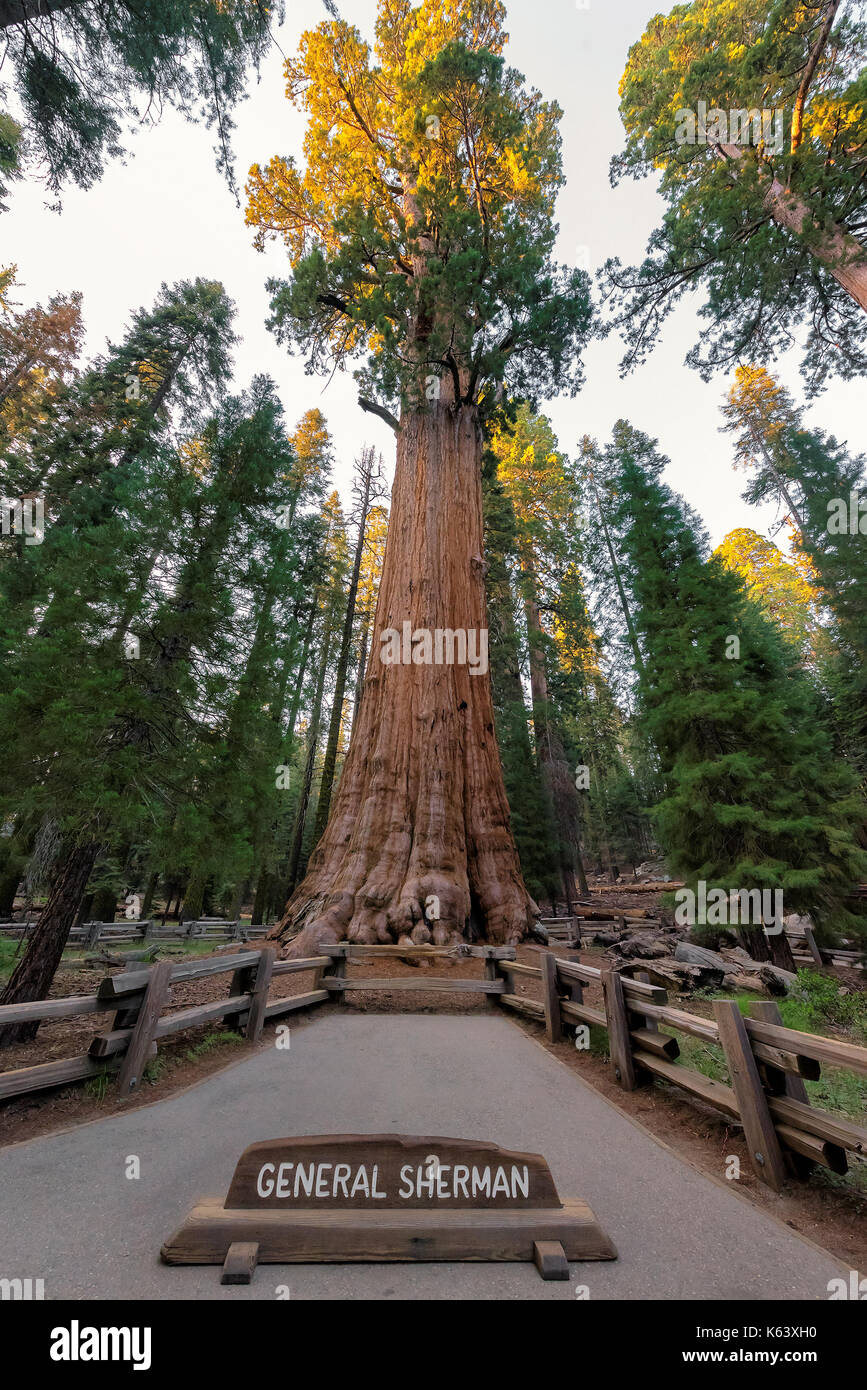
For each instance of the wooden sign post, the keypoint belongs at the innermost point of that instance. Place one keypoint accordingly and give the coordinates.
(367, 1198)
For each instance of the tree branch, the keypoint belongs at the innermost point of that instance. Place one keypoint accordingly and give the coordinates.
(20, 11)
(373, 408)
(334, 303)
(812, 63)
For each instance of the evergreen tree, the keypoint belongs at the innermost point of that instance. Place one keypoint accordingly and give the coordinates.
(80, 67)
(421, 236)
(781, 588)
(824, 491)
(543, 491)
(121, 737)
(367, 488)
(765, 212)
(754, 797)
(530, 810)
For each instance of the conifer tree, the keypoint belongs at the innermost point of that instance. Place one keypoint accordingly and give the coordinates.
(120, 736)
(543, 491)
(530, 809)
(753, 113)
(823, 489)
(81, 68)
(366, 490)
(421, 235)
(753, 795)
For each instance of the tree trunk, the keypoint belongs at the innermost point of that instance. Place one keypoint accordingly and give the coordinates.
(9, 881)
(147, 901)
(842, 254)
(327, 783)
(260, 901)
(19, 11)
(559, 787)
(104, 907)
(34, 974)
(194, 896)
(421, 811)
(362, 666)
(309, 765)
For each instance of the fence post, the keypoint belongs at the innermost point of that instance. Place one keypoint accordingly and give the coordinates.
(259, 993)
(242, 982)
(783, 1083)
(550, 997)
(93, 934)
(156, 997)
(493, 972)
(812, 947)
(619, 1041)
(576, 988)
(766, 1155)
(337, 970)
(649, 1023)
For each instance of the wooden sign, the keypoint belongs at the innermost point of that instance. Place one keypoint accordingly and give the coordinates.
(386, 1197)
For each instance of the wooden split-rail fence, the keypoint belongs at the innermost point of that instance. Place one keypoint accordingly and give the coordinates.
(767, 1062)
(92, 934)
(139, 998)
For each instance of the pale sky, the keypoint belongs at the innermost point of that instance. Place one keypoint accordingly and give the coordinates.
(168, 215)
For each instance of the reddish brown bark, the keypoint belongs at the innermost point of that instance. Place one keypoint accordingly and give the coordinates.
(421, 810)
(33, 976)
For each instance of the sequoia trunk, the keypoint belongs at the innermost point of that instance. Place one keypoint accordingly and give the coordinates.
(419, 842)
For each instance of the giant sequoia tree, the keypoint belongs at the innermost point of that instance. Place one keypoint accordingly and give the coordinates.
(420, 235)
(753, 112)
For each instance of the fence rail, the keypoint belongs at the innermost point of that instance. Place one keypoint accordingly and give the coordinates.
(94, 934)
(767, 1062)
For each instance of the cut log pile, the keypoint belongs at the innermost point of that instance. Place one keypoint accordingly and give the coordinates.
(675, 962)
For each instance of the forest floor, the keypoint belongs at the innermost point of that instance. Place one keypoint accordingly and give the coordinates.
(828, 1209)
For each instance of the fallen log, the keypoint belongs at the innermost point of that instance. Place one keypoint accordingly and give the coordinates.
(657, 887)
(608, 914)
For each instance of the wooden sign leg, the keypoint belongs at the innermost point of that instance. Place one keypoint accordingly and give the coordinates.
(550, 1259)
(240, 1263)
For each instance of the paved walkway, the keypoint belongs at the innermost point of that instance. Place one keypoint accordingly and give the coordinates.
(69, 1215)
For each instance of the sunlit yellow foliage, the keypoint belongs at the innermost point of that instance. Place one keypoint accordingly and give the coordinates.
(782, 587)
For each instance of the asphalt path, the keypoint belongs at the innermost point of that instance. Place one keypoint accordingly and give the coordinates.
(70, 1215)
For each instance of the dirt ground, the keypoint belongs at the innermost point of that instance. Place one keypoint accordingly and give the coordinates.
(830, 1210)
